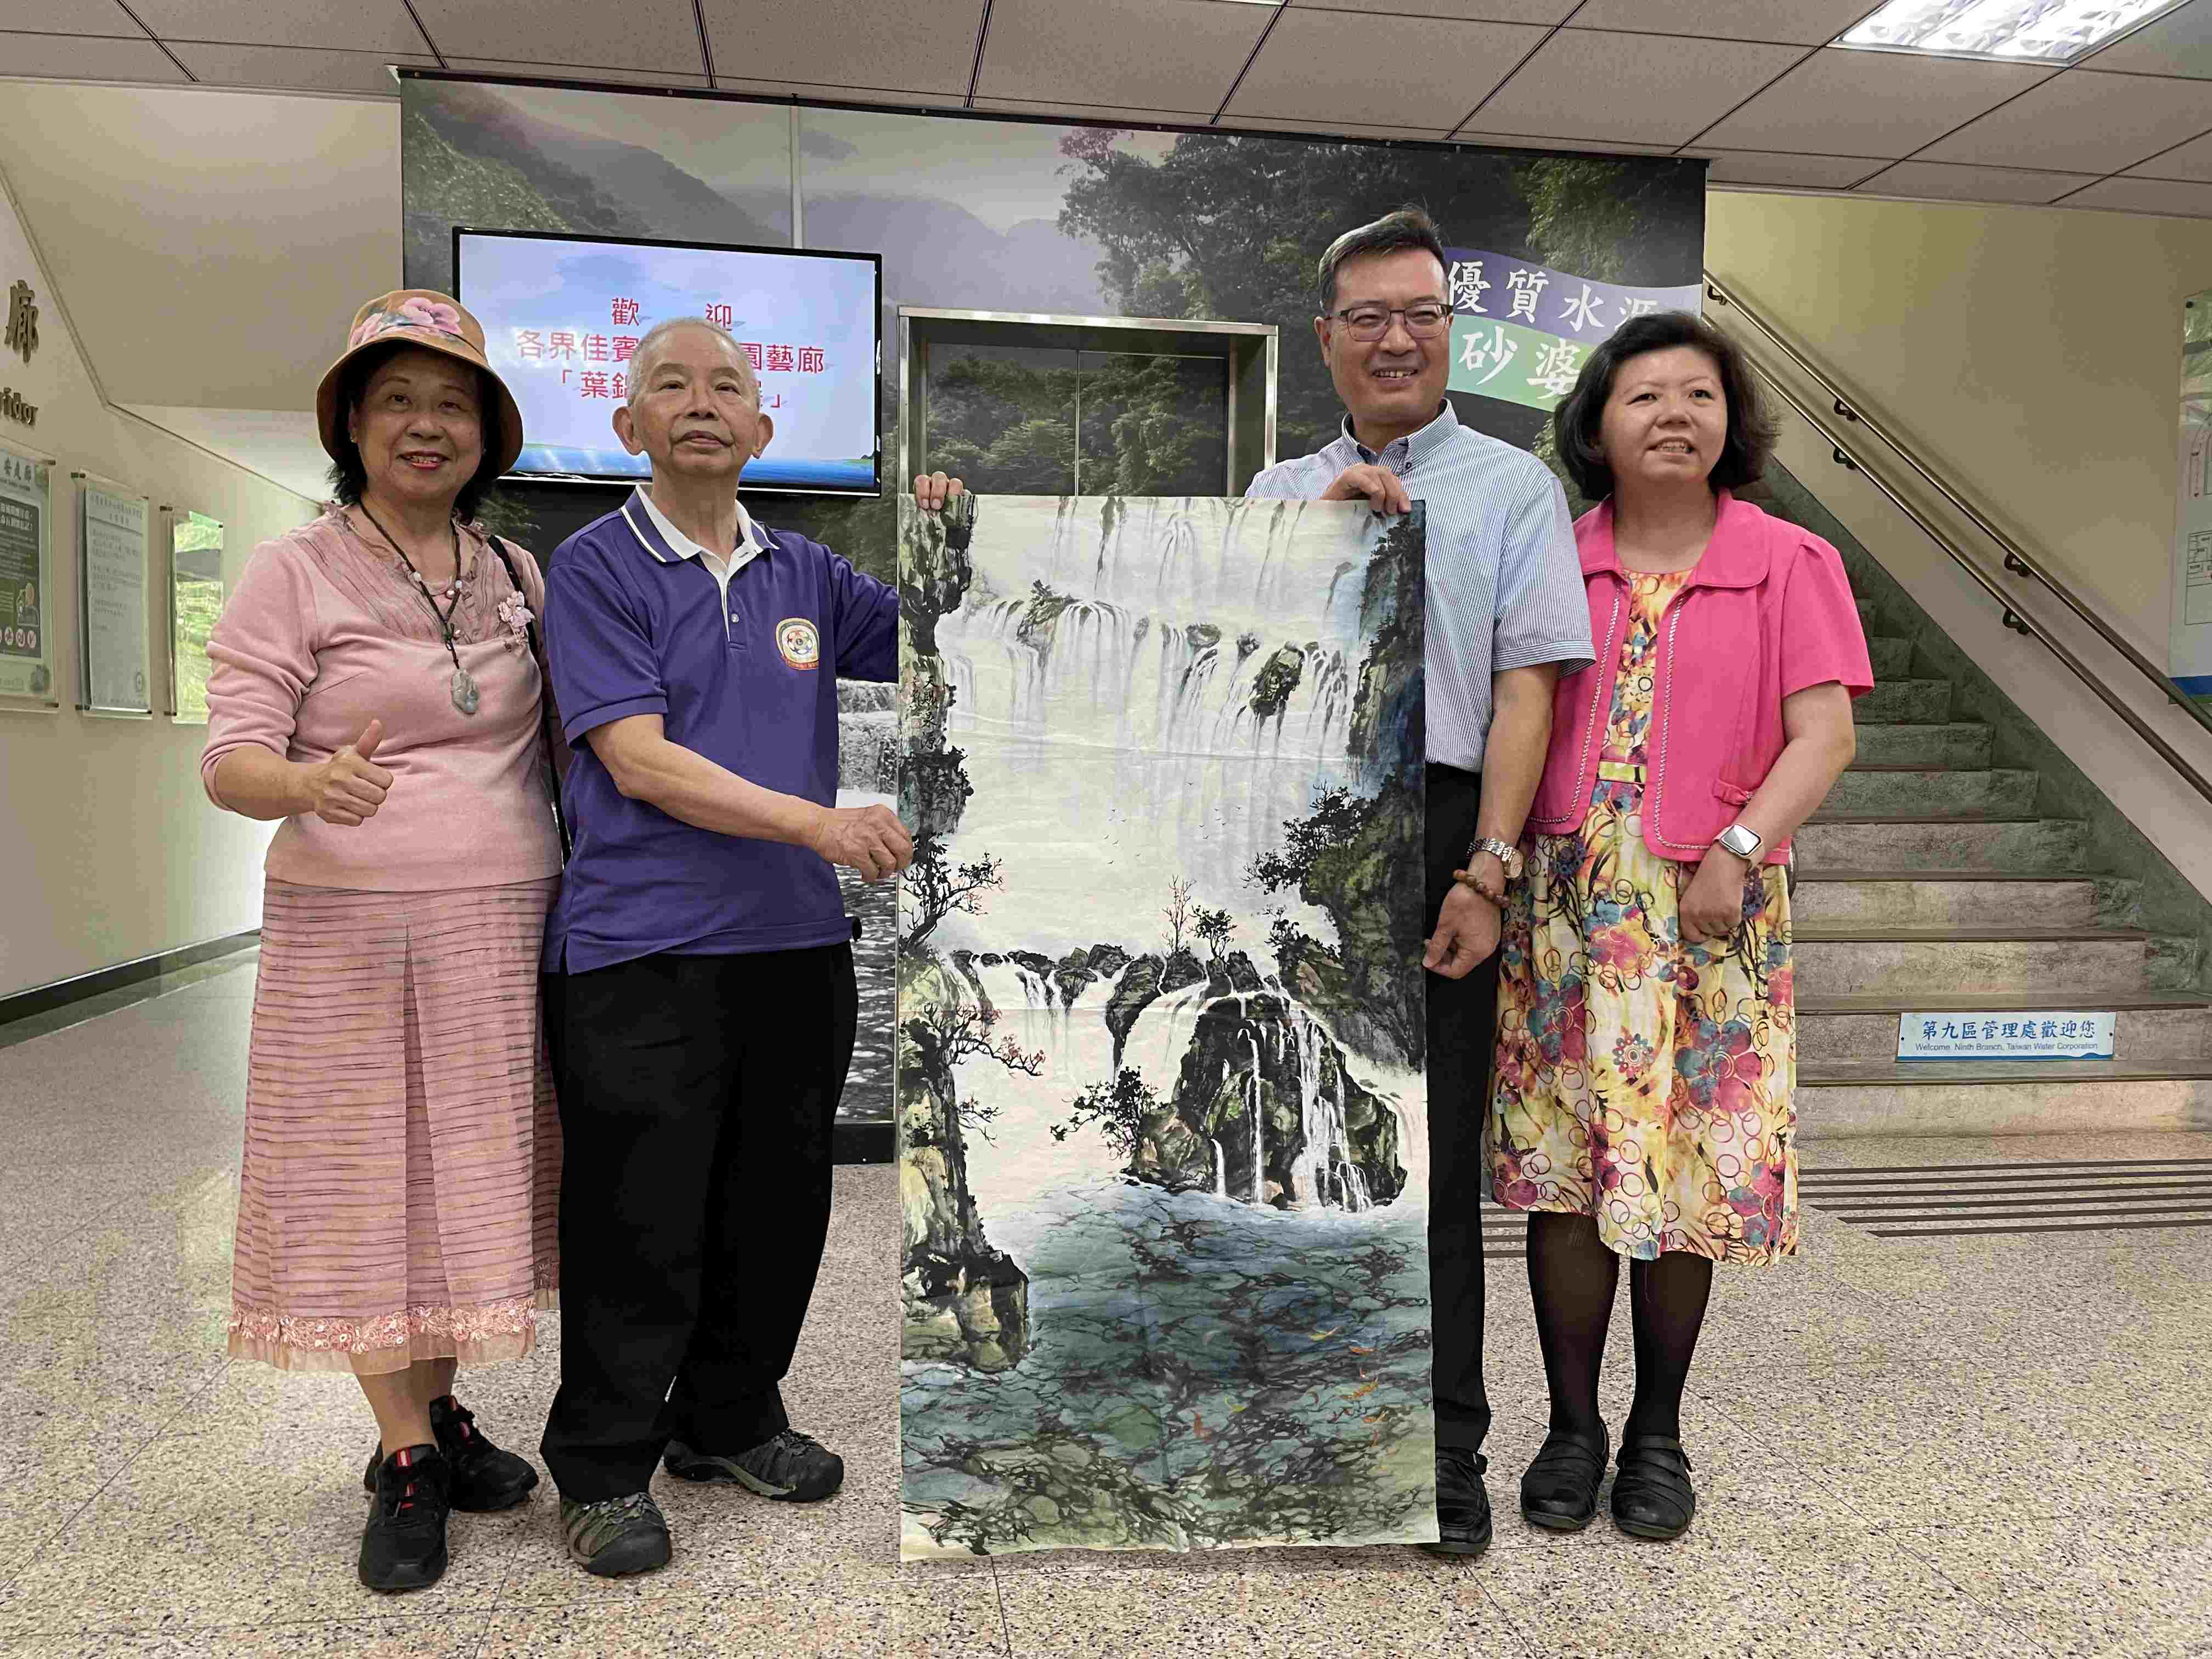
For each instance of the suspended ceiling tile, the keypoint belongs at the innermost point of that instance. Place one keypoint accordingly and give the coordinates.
(81, 58)
(1809, 23)
(296, 68)
(640, 34)
(573, 72)
(2147, 196)
(68, 17)
(1108, 51)
(1868, 103)
(1736, 167)
(1629, 89)
(1946, 181)
(2179, 43)
(919, 45)
(1491, 11)
(2190, 160)
(351, 24)
(2084, 122)
(1322, 67)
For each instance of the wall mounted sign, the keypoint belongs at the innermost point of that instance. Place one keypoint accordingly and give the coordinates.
(112, 525)
(2040, 1034)
(27, 605)
(195, 602)
(2191, 647)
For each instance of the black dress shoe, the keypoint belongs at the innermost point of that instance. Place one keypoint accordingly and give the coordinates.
(1560, 1488)
(1462, 1503)
(404, 1546)
(483, 1476)
(1652, 1496)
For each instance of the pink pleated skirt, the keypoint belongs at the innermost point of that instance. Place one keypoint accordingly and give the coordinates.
(400, 1185)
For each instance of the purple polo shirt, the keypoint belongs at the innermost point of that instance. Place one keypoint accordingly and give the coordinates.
(633, 628)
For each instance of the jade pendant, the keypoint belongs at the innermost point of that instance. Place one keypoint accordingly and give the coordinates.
(464, 691)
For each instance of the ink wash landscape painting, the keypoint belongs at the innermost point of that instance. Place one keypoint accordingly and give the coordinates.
(1162, 1130)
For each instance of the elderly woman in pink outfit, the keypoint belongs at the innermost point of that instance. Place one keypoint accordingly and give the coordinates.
(375, 688)
(1645, 1102)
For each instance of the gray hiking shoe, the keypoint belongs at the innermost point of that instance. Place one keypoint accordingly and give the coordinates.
(792, 1468)
(615, 1536)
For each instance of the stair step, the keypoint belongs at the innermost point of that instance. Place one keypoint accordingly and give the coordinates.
(1911, 703)
(1891, 658)
(1960, 743)
(2154, 1029)
(1877, 788)
(1933, 897)
(1842, 1099)
(1859, 961)
(1941, 841)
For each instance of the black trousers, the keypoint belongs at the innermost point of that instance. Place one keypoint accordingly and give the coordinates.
(1462, 1035)
(697, 1099)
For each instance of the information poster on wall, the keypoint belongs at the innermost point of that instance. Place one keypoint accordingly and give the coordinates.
(26, 649)
(2191, 664)
(112, 527)
(195, 602)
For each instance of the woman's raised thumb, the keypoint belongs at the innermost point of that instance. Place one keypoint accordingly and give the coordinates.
(371, 735)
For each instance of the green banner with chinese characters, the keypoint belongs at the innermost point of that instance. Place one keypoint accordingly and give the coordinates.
(1512, 362)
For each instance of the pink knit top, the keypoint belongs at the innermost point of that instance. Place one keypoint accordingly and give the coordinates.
(325, 632)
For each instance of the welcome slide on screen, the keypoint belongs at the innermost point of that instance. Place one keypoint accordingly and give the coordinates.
(562, 317)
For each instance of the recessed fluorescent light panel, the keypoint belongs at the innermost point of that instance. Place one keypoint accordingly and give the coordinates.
(2040, 31)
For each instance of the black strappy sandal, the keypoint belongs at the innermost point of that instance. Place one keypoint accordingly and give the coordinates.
(1560, 1490)
(1652, 1497)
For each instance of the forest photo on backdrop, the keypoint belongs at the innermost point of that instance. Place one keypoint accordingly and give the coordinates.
(1014, 216)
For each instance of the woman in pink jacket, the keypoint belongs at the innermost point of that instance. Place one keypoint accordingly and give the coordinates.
(375, 690)
(1647, 1051)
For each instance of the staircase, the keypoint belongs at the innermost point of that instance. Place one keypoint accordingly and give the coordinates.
(1928, 883)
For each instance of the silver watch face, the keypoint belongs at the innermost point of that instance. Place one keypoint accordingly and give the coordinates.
(1739, 841)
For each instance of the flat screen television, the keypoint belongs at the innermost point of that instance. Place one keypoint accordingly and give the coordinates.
(562, 314)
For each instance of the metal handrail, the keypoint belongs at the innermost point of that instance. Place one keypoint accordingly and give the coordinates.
(2016, 561)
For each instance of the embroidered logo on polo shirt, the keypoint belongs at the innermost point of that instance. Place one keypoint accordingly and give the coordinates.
(801, 644)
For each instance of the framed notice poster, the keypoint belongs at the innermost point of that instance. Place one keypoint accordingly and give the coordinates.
(27, 605)
(2191, 661)
(195, 602)
(111, 540)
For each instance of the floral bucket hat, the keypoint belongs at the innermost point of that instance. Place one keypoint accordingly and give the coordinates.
(420, 317)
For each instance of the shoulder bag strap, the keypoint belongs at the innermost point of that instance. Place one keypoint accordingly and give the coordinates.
(555, 751)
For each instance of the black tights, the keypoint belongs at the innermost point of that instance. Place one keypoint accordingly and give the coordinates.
(1571, 1275)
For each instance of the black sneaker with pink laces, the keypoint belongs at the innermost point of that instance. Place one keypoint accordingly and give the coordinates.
(483, 1477)
(404, 1546)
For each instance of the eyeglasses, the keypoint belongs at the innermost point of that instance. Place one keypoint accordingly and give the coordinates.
(1423, 320)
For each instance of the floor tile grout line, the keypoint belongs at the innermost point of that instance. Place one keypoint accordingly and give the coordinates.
(38, 1550)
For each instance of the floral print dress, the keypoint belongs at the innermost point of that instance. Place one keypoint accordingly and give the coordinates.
(1644, 1082)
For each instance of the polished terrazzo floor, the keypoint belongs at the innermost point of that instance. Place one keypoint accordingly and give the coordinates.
(1987, 1443)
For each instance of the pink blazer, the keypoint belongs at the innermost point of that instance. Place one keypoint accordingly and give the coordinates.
(1767, 613)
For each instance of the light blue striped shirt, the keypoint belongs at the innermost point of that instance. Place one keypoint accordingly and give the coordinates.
(1504, 585)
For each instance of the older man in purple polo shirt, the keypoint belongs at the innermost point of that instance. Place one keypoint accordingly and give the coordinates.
(699, 959)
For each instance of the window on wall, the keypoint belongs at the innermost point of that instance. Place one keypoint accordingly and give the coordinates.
(1034, 421)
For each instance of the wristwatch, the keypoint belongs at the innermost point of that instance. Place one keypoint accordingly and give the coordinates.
(1505, 852)
(1744, 843)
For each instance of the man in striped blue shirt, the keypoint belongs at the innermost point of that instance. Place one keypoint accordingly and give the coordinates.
(1506, 616)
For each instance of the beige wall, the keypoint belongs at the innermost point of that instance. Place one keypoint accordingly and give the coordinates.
(108, 850)
(2033, 353)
